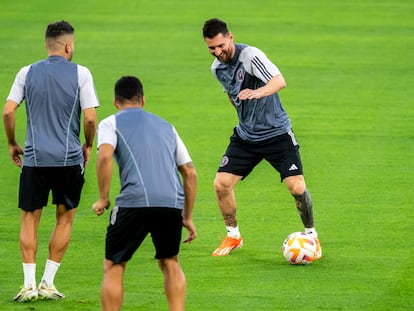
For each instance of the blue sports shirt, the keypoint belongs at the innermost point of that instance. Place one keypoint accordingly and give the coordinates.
(55, 91)
(148, 151)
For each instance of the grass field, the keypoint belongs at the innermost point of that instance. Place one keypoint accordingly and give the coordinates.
(349, 69)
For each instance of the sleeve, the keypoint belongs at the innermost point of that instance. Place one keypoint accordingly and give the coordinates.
(88, 96)
(17, 90)
(182, 156)
(107, 132)
(257, 64)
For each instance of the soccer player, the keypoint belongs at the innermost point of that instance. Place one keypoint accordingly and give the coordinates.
(264, 130)
(56, 92)
(153, 199)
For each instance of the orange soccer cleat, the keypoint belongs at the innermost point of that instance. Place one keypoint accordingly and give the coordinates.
(227, 245)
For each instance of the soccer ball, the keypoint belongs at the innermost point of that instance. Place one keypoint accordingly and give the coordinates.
(300, 248)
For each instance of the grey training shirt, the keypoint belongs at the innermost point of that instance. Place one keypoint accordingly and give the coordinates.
(148, 151)
(259, 119)
(55, 91)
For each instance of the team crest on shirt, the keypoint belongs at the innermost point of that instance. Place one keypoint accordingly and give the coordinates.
(240, 75)
(224, 161)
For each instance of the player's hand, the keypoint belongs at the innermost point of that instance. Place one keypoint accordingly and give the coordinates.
(100, 206)
(86, 153)
(16, 152)
(192, 234)
(249, 94)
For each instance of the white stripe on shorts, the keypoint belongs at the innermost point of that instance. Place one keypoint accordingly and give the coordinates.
(292, 136)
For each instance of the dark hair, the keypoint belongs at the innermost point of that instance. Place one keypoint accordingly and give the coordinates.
(213, 27)
(58, 29)
(128, 87)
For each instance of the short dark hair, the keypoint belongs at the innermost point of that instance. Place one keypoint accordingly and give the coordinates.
(58, 29)
(128, 88)
(213, 27)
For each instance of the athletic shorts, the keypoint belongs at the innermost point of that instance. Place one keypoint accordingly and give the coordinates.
(128, 228)
(282, 152)
(36, 183)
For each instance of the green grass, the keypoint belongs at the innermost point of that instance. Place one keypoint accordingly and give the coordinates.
(349, 71)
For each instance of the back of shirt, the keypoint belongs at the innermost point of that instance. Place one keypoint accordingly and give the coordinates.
(53, 110)
(53, 90)
(145, 150)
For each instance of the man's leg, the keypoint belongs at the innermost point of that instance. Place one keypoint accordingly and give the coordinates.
(112, 293)
(224, 184)
(297, 188)
(28, 234)
(60, 238)
(174, 283)
(28, 247)
(58, 244)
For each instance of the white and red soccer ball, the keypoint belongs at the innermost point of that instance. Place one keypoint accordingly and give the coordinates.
(300, 248)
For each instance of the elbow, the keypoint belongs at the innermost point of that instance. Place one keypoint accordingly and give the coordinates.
(188, 172)
(90, 118)
(90, 125)
(279, 82)
(90, 122)
(6, 115)
(192, 175)
(9, 109)
(282, 83)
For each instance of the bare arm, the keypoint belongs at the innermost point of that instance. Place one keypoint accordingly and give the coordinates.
(104, 169)
(89, 126)
(9, 122)
(273, 86)
(189, 174)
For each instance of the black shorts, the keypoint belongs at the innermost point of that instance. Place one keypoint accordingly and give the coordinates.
(282, 152)
(36, 183)
(128, 228)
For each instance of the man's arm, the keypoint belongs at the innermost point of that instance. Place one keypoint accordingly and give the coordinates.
(189, 174)
(9, 122)
(104, 169)
(89, 127)
(273, 86)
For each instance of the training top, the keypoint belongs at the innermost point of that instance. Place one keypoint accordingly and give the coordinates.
(55, 91)
(259, 119)
(148, 151)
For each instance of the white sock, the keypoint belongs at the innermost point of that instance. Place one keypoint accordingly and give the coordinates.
(312, 232)
(29, 272)
(233, 232)
(51, 268)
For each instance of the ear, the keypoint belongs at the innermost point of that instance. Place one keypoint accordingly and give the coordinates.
(143, 101)
(116, 104)
(68, 47)
(231, 36)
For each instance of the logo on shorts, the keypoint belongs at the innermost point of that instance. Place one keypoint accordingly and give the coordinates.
(224, 161)
(293, 167)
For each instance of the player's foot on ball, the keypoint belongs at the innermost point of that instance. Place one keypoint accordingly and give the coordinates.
(49, 292)
(26, 294)
(227, 245)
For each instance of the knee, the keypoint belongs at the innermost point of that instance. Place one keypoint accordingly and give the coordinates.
(112, 269)
(296, 185)
(169, 265)
(221, 185)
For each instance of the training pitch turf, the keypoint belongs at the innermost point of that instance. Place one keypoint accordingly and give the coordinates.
(349, 72)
